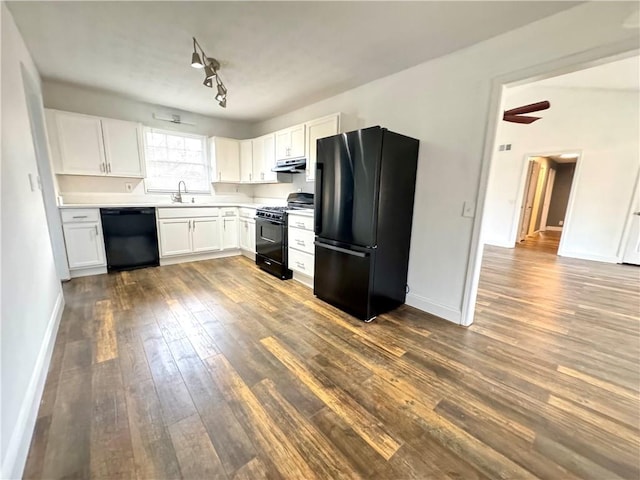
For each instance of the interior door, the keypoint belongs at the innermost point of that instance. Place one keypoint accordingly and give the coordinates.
(632, 250)
(527, 204)
(347, 183)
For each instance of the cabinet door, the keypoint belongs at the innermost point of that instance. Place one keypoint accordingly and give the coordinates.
(297, 145)
(226, 159)
(80, 143)
(264, 159)
(244, 234)
(252, 237)
(206, 234)
(229, 232)
(269, 159)
(283, 144)
(122, 148)
(246, 161)
(85, 247)
(316, 129)
(175, 236)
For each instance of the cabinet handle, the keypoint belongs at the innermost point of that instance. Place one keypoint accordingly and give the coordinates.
(300, 224)
(189, 224)
(102, 168)
(80, 216)
(109, 167)
(249, 177)
(300, 242)
(194, 225)
(262, 176)
(300, 265)
(96, 229)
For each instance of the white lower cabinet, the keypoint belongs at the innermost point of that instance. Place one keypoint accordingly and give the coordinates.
(175, 236)
(205, 234)
(248, 235)
(199, 230)
(85, 246)
(301, 248)
(83, 239)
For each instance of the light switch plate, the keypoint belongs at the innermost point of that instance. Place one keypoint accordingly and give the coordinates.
(469, 209)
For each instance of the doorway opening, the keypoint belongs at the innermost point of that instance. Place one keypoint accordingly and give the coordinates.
(547, 188)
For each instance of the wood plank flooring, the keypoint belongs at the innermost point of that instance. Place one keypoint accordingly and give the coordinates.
(216, 370)
(547, 241)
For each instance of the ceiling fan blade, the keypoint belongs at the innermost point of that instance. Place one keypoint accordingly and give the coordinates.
(519, 119)
(534, 107)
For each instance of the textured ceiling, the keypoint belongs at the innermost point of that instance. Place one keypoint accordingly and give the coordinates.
(619, 75)
(276, 56)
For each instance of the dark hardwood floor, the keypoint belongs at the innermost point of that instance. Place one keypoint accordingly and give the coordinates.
(215, 370)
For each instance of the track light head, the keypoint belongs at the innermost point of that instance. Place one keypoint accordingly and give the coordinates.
(222, 90)
(209, 72)
(195, 57)
(208, 82)
(223, 102)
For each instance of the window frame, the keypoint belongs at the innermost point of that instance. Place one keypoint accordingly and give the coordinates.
(207, 160)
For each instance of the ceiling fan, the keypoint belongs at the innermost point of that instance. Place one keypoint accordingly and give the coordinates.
(516, 115)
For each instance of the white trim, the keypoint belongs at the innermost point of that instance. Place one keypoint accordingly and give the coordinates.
(568, 216)
(443, 311)
(200, 256)
(626, 233)
(85, 272)
(588, 256)
(574, 62)
(551, 177)
(248, 253)
(20, 441)
(305, 280)
(553, 229)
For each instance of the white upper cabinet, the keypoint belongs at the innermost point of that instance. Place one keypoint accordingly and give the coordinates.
(264, 158)
(80, 144)
(122, 146)
(316, 129)
(87, 145)
(246, 161)
(225, 157)
(290, 142)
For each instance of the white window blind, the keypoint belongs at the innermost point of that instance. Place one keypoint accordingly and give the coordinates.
(174, 156)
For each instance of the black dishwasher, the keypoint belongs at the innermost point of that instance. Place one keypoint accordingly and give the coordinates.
(130, 238)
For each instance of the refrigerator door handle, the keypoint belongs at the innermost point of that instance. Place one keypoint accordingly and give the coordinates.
(355, 253)
(318, 199)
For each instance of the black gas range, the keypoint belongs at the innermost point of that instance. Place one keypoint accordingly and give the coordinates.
(271, 234)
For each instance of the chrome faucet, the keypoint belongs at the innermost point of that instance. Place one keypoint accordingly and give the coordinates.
(177, 197)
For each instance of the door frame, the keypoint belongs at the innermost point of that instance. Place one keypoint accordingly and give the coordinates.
(571, 63)
(551, 180)
(633, 205)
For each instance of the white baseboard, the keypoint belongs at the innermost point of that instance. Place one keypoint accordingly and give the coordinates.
(20, 441)
(306, 280)
(500, 244)
(199, 256)
(588, 256)
(553, 229)
(85, 272)
(443, 311)
(248, 254)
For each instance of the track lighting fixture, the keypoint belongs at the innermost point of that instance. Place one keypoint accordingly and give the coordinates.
(211, 67)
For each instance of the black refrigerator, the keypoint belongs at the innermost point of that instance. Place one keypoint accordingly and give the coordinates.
(365, 184)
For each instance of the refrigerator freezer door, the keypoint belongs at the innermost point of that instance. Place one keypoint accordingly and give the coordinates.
(343, 277)
(347, 178)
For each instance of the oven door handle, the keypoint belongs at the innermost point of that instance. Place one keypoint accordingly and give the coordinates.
(267, 239)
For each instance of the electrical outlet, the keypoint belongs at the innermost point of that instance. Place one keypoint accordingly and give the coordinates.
(128, 187)
(501, 148)
(507, 146)
(468, 209)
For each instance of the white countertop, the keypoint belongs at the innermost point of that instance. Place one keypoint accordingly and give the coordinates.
(159, 205)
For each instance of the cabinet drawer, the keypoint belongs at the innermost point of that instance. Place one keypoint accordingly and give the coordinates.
(187, 212)
(247, 212)
(301, 240)
(74, 215)
(228, 212)
(301, 221)
(301, 262)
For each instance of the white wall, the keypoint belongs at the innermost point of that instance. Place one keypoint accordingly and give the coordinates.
(604, 126)
(444, 103)
(81, 189)
(31, 292)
